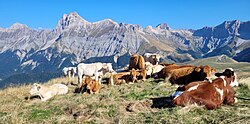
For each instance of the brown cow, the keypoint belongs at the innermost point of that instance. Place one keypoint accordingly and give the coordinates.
(184, 74)
(92, 85)
(137, 62)
(211, 94)
(119, 78)
(138, 75)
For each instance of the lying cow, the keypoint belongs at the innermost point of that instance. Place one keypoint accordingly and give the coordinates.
(152, 58)
(228, 73)
(69, 72)
(119, 78)
(185, 74)
(93, 69)
(153, 69)
(92, 85)
(211, 94)
(136, 62)
(46, 93)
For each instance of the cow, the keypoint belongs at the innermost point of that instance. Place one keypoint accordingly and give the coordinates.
(119, 78)
(210, 94)
(92, 85)
(228, 73)
(69, 72)
(152, 58)
(185, 74)
(45, 92)
(153, 69)
(136, 62)
(138, 75)
(93, 69)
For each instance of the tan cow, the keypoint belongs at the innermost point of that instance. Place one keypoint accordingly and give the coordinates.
(138, 75)
(47, 92)
(92, 85)
(119, 78)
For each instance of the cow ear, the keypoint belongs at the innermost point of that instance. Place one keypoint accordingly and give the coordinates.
(197, 69)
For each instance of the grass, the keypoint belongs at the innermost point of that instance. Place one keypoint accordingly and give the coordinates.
(142, 102)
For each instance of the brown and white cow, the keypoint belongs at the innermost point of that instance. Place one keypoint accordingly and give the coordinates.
(152, 58)
(136, 62)
(210, 94)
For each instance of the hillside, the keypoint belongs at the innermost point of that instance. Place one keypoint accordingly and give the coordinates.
(143, 102)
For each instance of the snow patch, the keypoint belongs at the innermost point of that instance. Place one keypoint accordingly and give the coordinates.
(30, 62)
(62, 62)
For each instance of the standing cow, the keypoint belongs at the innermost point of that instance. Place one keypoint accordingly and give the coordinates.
(69, 72)
(93, 69)
(136, 62)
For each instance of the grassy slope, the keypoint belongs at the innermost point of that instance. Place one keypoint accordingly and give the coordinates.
(138, 103)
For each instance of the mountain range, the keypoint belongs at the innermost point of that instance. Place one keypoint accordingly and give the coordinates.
(24, 50)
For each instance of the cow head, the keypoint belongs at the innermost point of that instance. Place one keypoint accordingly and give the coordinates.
(89, 82)
(208, 70)
(154, 60)
(231, 75)
(35, 89)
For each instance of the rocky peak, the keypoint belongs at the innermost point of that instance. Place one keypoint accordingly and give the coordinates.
(231, 24)
(18, 26)
(163, 26)
(71, 20)
(131, 27)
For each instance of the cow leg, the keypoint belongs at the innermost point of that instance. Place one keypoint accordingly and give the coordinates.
(80, 75)
(166, 80)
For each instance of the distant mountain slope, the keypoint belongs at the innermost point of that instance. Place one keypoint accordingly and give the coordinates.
(212, 60)
(74, 40)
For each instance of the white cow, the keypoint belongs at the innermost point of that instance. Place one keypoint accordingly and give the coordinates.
(152, 69)
(69, 71)
(93, 69)
(153, 58)
(45, 92)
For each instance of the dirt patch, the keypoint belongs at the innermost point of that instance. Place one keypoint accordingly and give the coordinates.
(139, 106)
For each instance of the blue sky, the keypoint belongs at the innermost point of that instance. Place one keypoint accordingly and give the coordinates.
(178, 14)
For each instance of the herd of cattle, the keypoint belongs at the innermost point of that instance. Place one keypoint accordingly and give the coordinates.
(196, 87)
